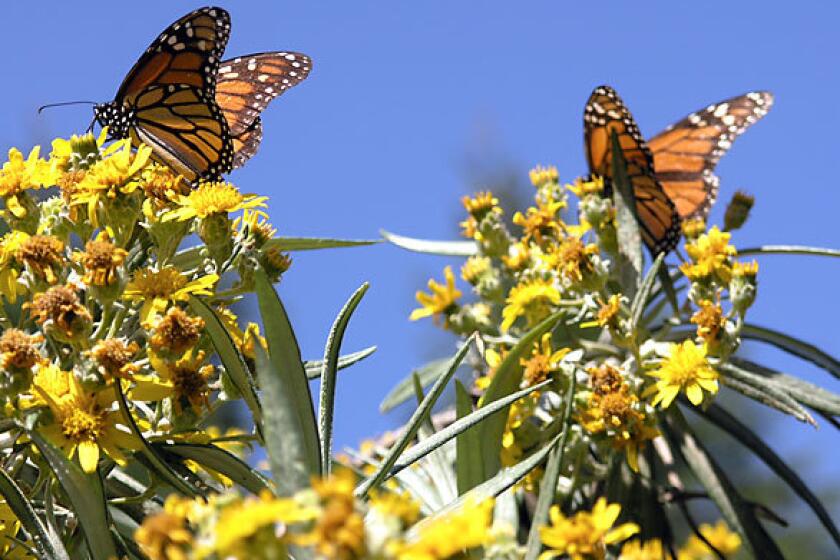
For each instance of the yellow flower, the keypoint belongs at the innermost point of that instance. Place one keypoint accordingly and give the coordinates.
(541, 222)
(157, 288)
(255, 223)
(44, 255)
(571, 258)
(463, 529)
(114, 358)
(474, 268)
(19, 175)
(530, 298)
(694, 228)
(397, 505)
(585, 535)
(542, 175)
(10, 245)
(480, 204)
(518, 257)
(187, 379)
(212, 198)
(339, 532)
(19, 349)
(745, 269)
(100, 259)
(166, 535)
(709, 320)
(648, 550)
(441, 301)
(719, 535)
(710, 254)
(86, 423)
(686, 369)
(581, 188)
(10, 549)
(175, 332)
(608, 313)
(60, 312)
(542, 361)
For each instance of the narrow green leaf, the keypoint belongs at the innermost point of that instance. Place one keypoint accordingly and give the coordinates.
(631, 260)
(221, 461)
(156, 463)
(731, 425)
(806, 393)
(413, 424)
(503, 479)
(187, 259)
(738, 514)
(789, 250)
(328, 373)
(284, 439)
(404, 390)
(286, 372)
(460, 426)
(505, 381)
(46, 543)
(445, 248)
(793, 346)
(764, 391)
(235, 367)
(313, 243)
(641, 299)
(87, 499)
(467, 445)
(313, 367)
(548, 486)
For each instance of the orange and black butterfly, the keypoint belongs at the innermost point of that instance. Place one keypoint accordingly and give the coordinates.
(199, 115)
(672, 175)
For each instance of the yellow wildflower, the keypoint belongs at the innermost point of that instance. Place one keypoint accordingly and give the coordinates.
(694, 228)
(10, 244)
(542, 175)
(541, 222)
(647, 550)
(532, 298)
(480, 204)
(10, 549)
(176, 332)
(441, 301)
(518, 257)
(710, 254)
(585, 535)
(166, 535)
(339, 532)
(542, 361)
(101, 259)
(61, 313)
(86, 423)
(187, 379)
(709, 320)
(255, 222)
(461, 530)
(43, 255)
(114, 358)
(608, 313)
(745, 269)
(19, 175)
(571, 258)
(719, 535)
(687, 370)
(397, 505)
(19, 349)
(474, 268)
(157, 288)
(581, 187)
(212, 198)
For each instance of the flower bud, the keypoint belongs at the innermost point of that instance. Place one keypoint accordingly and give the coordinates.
(737, 211)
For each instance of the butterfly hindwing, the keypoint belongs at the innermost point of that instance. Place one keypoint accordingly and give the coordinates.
(686, 153)
(605, 114)
(245, 87)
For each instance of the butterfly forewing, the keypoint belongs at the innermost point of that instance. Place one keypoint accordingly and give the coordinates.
(685, 154)
(605, 114)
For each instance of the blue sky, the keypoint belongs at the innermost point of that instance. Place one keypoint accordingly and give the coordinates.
(410, 104)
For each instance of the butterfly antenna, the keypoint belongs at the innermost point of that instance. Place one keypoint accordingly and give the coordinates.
(65, 103)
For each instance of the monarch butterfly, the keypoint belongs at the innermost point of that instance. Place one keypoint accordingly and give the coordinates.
(673, 176)
(246, 85)
(169, 99)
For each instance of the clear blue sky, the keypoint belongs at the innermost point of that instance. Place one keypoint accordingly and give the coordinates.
(409, 102)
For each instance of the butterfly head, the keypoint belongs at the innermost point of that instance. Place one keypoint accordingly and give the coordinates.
(118, 118)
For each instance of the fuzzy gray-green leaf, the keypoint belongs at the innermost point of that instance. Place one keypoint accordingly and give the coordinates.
(404, 390)
(221, 461)
(313, 368)
(467, 445)
(313, 243)
(445, 248)
(793, 346)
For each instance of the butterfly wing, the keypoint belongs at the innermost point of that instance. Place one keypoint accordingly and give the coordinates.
(686, 153)
(604, 114)
(247, 84)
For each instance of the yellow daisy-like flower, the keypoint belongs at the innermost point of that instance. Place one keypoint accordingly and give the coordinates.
(441, 301)
(339, 532)
(101, 260)
(166, 535)
(212, 198)
(10, 245)
(255, 222)
(542, 361)
(474, 268)
(186, 380)
(542, 175)
(719, 535)
(63, 150)
(608, 313)
(533, 299)
(709, 320)
(19, 175)
(465, 528)
(687, 370)
(541, 222)
(710, 254)
(581, 188)
(157, 288)
(647, 550)
(86, 423)
(479, 204)
(518, 257)
(585, 535)
(745, 269)
(571, 258)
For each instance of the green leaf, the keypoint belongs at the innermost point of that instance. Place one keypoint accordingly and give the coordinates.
(312, 243)
(221, 461)
(328, 373)
(235, 367)
(806, 393)
(793, 346)
(287, 376)
(467, 444)
(788, 250)
(313, 367)
(640, 301)
(631, 260)
(404, 390)
(503, 479)
(413, 424)
(763, 391)
(46, 542)
(445, 248)
(738, 514)
(87, 499)
(548, 486)
(187, 259)
(731, 425)
(505, 381)
(460, 426)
